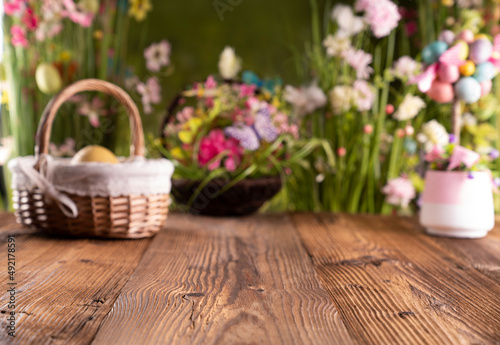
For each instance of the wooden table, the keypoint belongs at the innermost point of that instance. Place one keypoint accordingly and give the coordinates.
(267, 279)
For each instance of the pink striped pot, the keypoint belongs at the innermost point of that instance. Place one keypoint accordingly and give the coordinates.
(454, 205)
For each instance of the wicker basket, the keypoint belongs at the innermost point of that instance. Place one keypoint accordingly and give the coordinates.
(245, 197)
(127, 216)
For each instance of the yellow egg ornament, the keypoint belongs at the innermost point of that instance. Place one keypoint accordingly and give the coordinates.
(468, 68)
(48, 79)
(94, 153)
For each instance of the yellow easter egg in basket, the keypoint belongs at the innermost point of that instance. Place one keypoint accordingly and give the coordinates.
(94, 153)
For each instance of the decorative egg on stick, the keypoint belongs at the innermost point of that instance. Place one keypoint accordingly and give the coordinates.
(460, 71)
(94, 153)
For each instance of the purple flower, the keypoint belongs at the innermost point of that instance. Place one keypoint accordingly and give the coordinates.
(494, 154)
(453, 139)
(250, 136)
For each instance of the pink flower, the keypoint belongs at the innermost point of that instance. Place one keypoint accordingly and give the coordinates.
(399, 191)
(435, 154)
(364, 95)
(185, 114)
(210, 83)
(362, 5)
(462, 155)
(382, 16)
(157, 55)
(67, 149)
(247, 90)
(411, 28)
(18, 36)
(216, 143)
(150, 92)
(75, 15)
(359, 60)
(30, 19)
(93, 110)
(14, 8)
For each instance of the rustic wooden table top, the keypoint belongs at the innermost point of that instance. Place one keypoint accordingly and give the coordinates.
(267, 279)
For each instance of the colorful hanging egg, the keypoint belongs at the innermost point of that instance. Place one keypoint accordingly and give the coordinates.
(433, 51)
(447, 36)
(441, 92)
(468, 68)
(448, 73)
(468, 89)
(464, 49)
(480, 51)
(466, 35)
(486, 87)
(485, 71)
(48, 78)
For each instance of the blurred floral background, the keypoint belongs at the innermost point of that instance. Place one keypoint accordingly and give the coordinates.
(346, 69)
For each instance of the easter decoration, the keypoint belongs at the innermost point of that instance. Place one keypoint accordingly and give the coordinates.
(95, 193)
(458, 196)
(459, 69)
(233, 141)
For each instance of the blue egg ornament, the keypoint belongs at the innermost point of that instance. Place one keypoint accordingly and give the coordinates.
(485, 71)
(480, 51)
(468, 90)
(433, 51)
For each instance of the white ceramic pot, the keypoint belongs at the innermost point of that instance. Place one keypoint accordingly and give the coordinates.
(455, 205)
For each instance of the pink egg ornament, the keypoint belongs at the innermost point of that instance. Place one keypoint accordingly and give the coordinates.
(480, 51)
(441, 92)
(485, 87)
(466, 35)
(448, 73)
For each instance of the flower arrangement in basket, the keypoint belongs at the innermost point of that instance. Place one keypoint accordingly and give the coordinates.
(94, 194)
(231, 142)
(458, 199)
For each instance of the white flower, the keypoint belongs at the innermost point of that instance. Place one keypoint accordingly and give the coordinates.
(433, 133)
(305, 100)
(349, 24)
(409, 107)
(229, 64)
(336, 45)
(468, 120)
(341, 98)
(157, 55)
(406, 68)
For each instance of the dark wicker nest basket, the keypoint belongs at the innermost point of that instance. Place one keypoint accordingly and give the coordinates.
(243, 198)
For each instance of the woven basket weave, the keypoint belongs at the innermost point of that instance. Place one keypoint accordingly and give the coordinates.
(129, 216)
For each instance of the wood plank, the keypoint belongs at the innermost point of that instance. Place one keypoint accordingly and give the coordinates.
(482, 254)
(394, 285)
(224, 281)
(9, 226)
(65, 287)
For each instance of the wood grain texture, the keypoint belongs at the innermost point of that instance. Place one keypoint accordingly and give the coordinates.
(224, 281)
(9, 226)
(482, 254)
(64, 286)
(392, 284)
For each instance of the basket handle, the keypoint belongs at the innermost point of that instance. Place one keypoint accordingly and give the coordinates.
(44, 130)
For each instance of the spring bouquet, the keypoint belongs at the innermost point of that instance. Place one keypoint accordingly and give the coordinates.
(229, 136)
